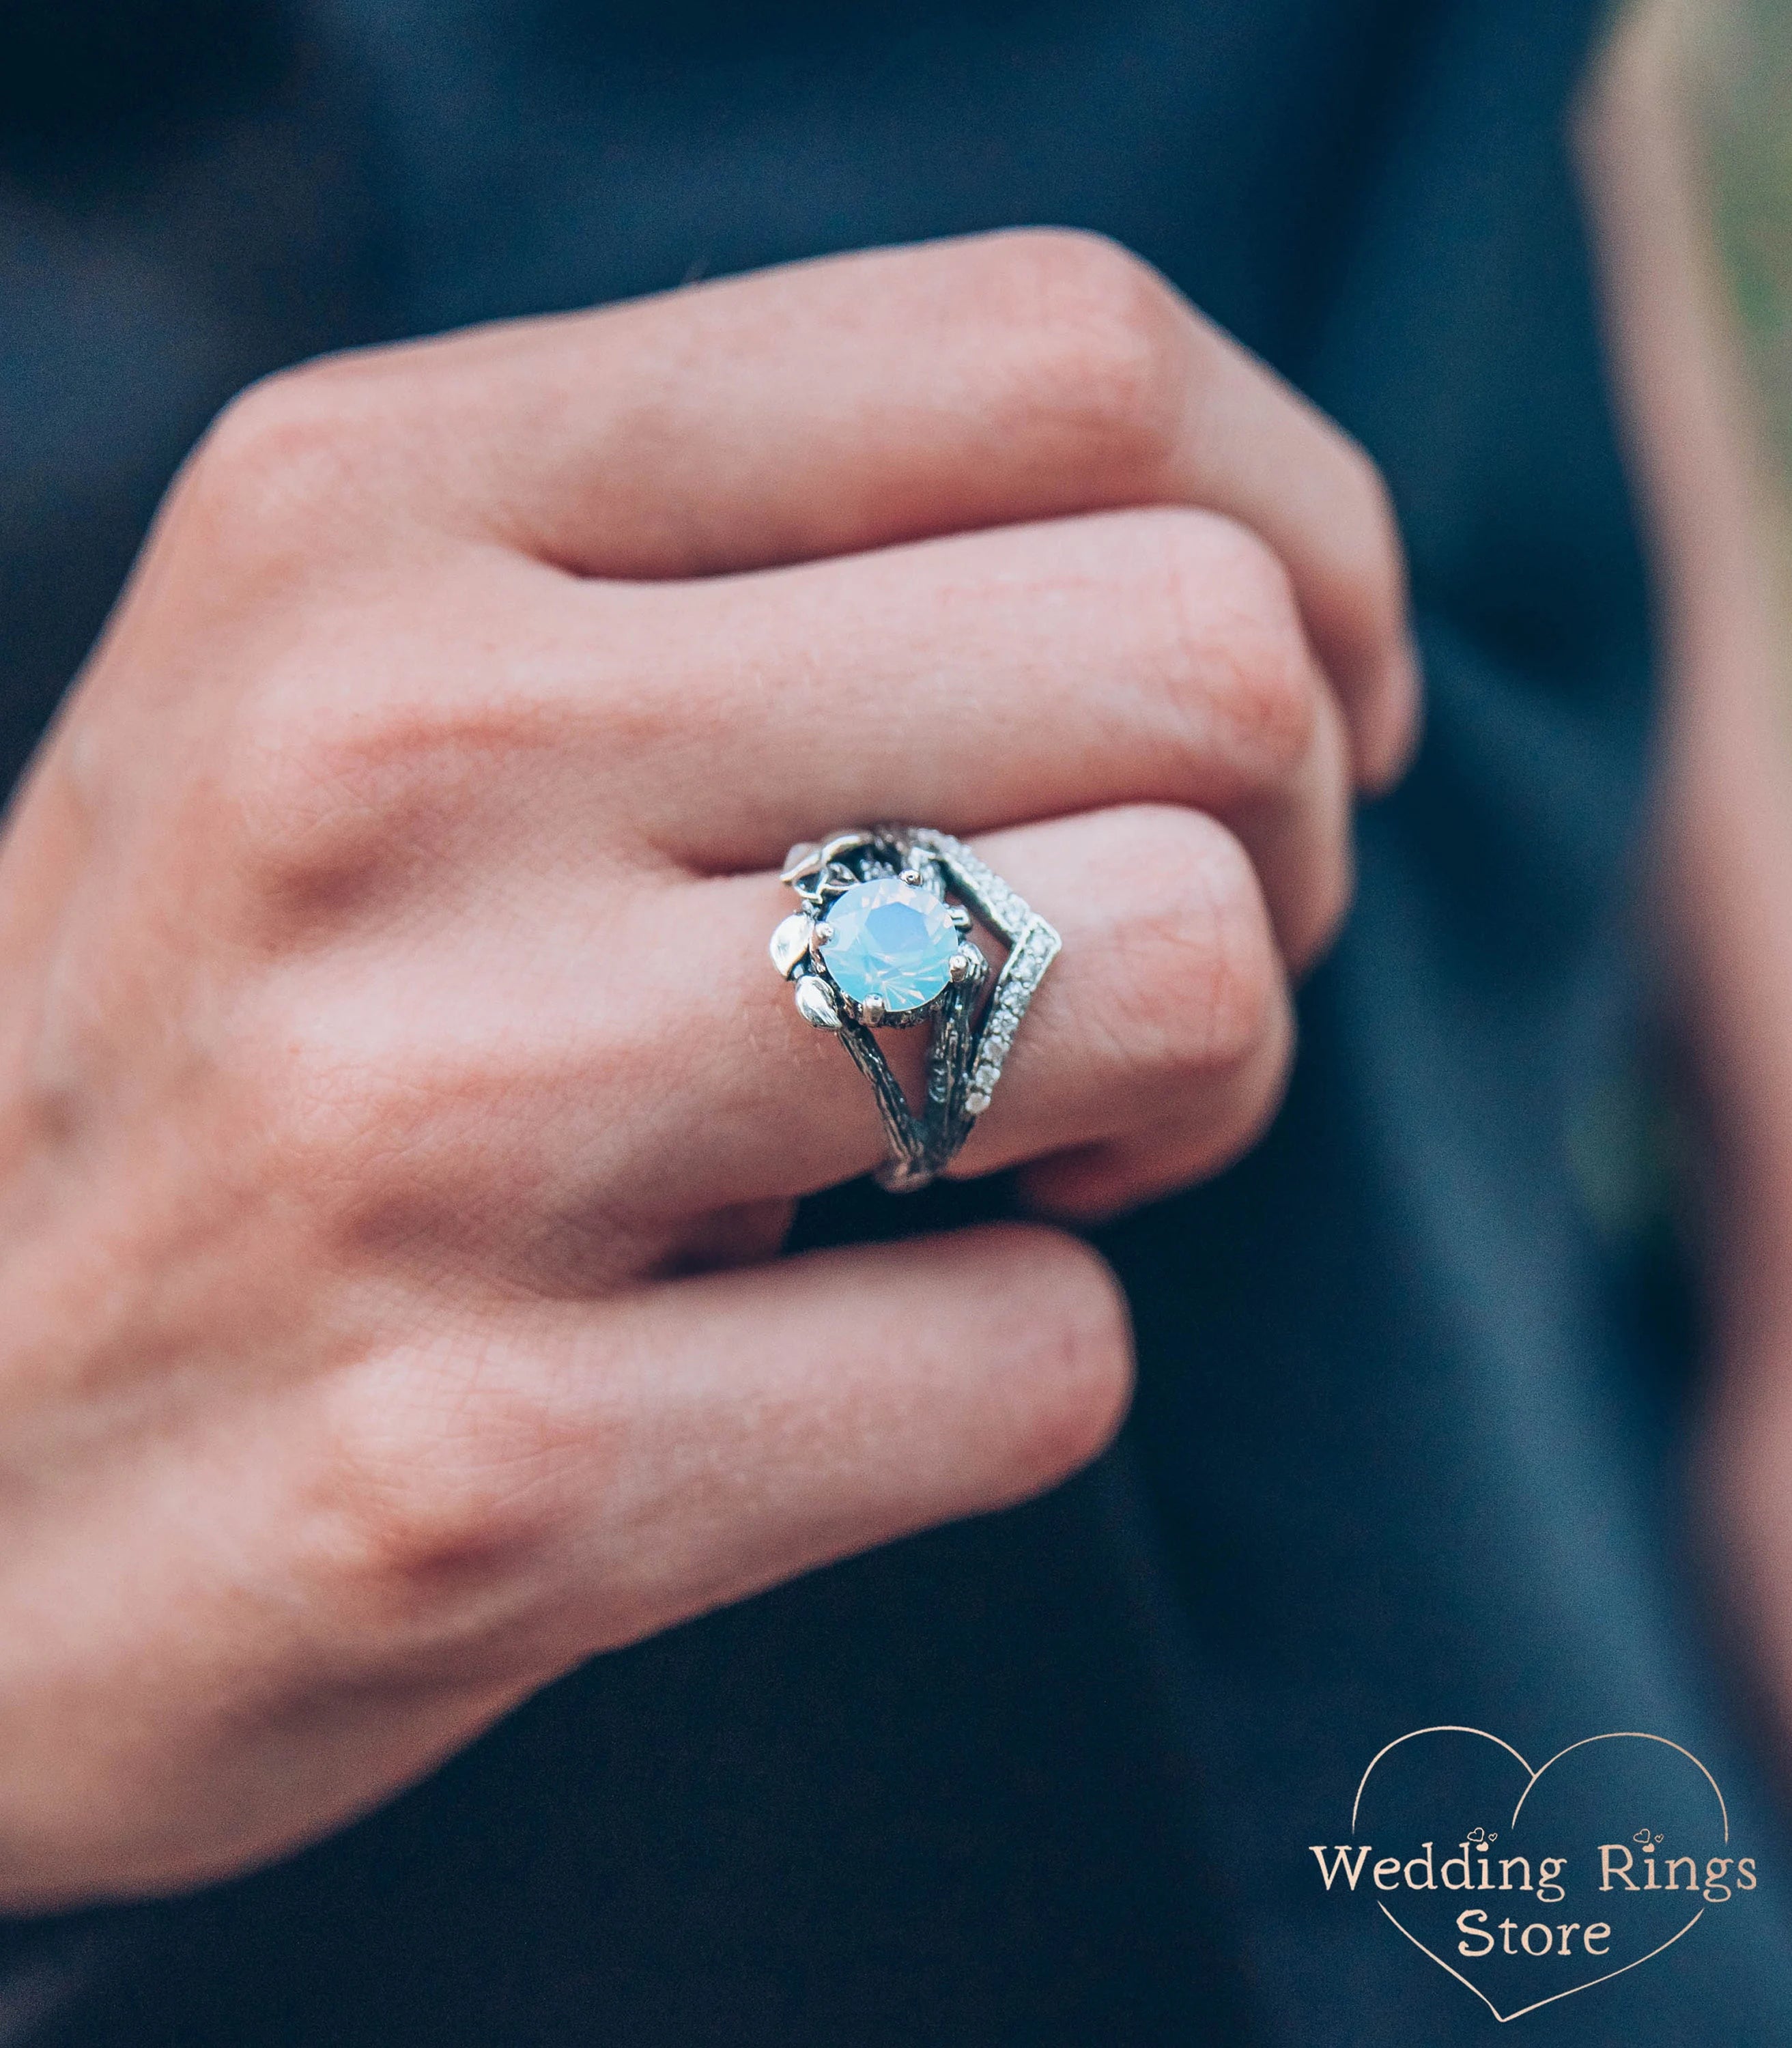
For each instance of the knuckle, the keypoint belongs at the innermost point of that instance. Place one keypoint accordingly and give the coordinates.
(1243, 991)
(1086, 1379)
(1370, 537)
(1094, 343)
(1259, 1085)
(306, 830)
(281, 762)
(270, 483)
(321, 1120)
(1079, 1374)
(1372, 608)
(363, 1121)
(393, 1120)
(1332, 887)
(1198, 985)
(1238, 668)
(437, 1478)
(366, 1098)
(328, 803)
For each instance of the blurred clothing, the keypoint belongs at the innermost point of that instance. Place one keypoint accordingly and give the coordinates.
(1412, 1375)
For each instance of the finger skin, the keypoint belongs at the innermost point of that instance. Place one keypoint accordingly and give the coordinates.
(831, 407)
(976, 682)
(1093, 1184)
(547, 1117)
(994, 678)
(773, 1420)
(447, 1524)
(398, 1113)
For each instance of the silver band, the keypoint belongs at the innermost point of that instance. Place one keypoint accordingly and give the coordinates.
(935, 888)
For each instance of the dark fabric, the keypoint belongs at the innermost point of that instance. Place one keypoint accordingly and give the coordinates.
(1405, 1449)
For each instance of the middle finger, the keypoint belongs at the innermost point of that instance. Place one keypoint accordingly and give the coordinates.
(1150, 657)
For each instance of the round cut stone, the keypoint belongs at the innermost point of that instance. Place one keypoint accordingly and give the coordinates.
(893, 943)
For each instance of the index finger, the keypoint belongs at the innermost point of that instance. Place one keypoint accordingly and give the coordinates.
(848, 403)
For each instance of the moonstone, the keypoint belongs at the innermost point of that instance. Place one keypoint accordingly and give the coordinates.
(893, 943)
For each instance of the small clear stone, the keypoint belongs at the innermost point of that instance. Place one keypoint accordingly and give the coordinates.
(976, 1102)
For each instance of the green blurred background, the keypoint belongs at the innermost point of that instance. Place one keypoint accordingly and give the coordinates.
(1739, 54)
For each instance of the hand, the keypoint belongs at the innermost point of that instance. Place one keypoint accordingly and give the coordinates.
(399, 1114)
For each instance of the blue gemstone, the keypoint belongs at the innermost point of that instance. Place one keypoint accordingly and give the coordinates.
(892, 943)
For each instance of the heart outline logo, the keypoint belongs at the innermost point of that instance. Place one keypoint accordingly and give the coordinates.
(1533, 1778)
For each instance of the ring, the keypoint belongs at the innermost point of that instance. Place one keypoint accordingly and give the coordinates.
(883, 939)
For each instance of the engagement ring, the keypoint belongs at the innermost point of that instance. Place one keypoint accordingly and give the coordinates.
(884, 940)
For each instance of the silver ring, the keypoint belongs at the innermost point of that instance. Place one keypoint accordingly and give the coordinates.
(883, 939)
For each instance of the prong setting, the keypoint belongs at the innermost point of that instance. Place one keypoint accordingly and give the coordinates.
(898, 951)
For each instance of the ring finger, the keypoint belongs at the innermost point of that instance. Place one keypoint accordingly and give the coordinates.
(1167, 1008)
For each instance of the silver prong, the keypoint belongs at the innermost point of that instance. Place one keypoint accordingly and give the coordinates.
(823, 933)
(913, 877)
(814, 1001)
(959, 967)
(871, 1010)
(790, 944)
(960, 917)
